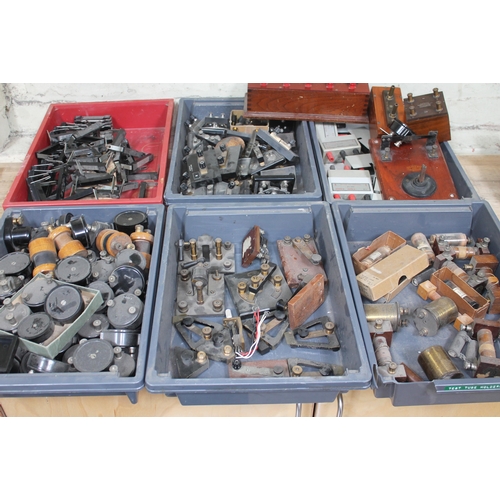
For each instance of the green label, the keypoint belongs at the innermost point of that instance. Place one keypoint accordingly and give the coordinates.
(475, 387)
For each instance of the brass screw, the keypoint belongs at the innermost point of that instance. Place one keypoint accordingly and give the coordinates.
(206, 332)
(410, 97)
(192, 244)
(201, 357)
(297, 371)
(218, 249)
(199, 292)
(242, 287)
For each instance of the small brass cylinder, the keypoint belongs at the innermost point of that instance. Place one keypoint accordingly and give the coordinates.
(433, 316)
(437, 365)
(384, 312)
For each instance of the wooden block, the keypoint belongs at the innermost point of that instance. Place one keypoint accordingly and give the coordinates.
(423, 114)
(377, 112)
(485, 260)
(308, 300)
(408, 159)
(387, 275)
(321, 102)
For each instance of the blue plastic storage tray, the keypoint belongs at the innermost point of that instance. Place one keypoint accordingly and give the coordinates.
(232, 222)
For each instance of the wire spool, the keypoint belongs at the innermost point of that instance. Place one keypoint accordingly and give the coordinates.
(79, 230)
(41, 364)
(121, 338)
(124, 363)
(128, 220)
(68, 353)
(15, 236)
(102, 268)
(433, 316)
(93, 356)
(65, 243)
(16, 264)
(37, 328)
(75, 270)
(9, 285)
(127, 279)
(125, 312)
(143, 242)
(134, 258)
(113, 242)
(34, 294)
(11, 315)
(94, 326)
(437, 365)
(106, 292)
(64, 304)
(43, 254)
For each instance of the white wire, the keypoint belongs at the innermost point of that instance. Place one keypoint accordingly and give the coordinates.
(254, 346)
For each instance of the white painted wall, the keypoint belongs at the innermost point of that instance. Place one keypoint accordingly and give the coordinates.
(474, 108)
(4, 122)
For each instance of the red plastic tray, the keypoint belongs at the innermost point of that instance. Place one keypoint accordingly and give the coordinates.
(147, 124)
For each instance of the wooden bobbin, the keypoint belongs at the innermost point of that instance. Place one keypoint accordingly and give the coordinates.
(43, 254)
(65, 243)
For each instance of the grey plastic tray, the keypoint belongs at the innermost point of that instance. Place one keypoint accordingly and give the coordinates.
(360, 223)
(463, 185)
(232, 222)
(89, 384)
(308, 187)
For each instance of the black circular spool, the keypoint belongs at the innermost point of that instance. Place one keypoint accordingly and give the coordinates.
(23, 366)
(80, 231)
(126, 221)
(106, 292)
(35, 293)
(126, 312)
(64, 304)
(9, 285)
(37, 327)
(127, 279)
(131, 257)
(64, 219)
(15, 237)
(41, 364)
(94, 326)
(16, 264)
(417, 189)
(11, 317)
(75, 270)
(124, 362)
(101, 270)
(93, 356)
(68, 353)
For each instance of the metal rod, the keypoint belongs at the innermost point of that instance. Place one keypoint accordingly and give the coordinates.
(298, 410)
(340, 407)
